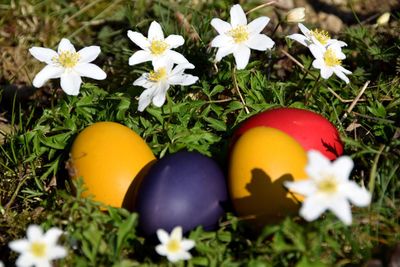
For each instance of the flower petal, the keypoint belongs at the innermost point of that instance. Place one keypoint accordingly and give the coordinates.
(140, 57)
(176, 233)
(176, 57)
(260, 42)
(312, 208)
(162, 250)
(160, 96)
(184, 255)
(43, 54)
(302, 39)
(305, 188)
(223, 52)
(48, 72)
(221, 26)
(162, 236)
(184, 79)
(358, 195)
(342, 167)
(343, 70)
(187, 244)
(34, 232)
(341, 208)
(25, 260)
(303, 29)
(139, 39)
(316, 162)
(155, 32)
(145, 100)
(52, 235)
(174, 257)
(88, 54)
(257, 25)
(238, 17)
(221, 41)
(326, 72)
(317, 51)
(71, 83)
(20, 245)
(336, 42)
(174, 41)
(181, 68)
(57, 252)
(91, 71)
(341, 75)
(65, 45)
(242, 56)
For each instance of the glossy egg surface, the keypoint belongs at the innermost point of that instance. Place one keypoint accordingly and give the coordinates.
(310, 129)
(261, 160)
(108, 156)
(184, 189)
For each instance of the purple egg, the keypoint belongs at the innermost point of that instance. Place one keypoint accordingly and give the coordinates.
(184, 189)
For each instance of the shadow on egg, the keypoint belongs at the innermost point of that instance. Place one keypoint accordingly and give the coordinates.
(273, 194)
(132, 192)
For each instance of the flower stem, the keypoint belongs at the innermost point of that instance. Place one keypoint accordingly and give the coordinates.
(235, 84)
(317, 82)
(275, 29)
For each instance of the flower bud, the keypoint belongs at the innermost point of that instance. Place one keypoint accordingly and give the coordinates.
(296, 15)
(383, 19)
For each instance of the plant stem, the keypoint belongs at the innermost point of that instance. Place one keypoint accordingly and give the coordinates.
(317, 82)
(235, 84)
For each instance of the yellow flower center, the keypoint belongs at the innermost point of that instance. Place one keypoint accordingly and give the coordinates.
(321, 35)
(239, 34)
(331, 59)
(158, 75)
(328, 185)
(67, 59)
(158, 47)
(174, 246)
(38, 249)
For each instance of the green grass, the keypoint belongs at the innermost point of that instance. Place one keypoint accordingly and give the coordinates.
(34, 184)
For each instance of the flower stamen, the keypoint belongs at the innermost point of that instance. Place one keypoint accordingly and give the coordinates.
(38, 249)
(158, 47)
(331, 59)
(321, 35)
(239, 34)
(67, 59)
(328, 185)
(173, 246)
(158, 75)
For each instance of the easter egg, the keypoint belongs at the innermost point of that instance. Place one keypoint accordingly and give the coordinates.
(310, 129)
(184, 189)
(261, 160)
(108, 156)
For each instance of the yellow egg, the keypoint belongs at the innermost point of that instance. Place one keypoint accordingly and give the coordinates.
(260, 161)
(108, 156)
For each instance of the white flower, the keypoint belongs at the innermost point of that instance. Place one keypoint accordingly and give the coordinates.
(155, 47)
(328, 187)
(318, 37)
(296, 15)
(1, 264)
(173, 246)
(329, 61)
(38, 249)
(158, 81)
(68, 65)
(238, 37)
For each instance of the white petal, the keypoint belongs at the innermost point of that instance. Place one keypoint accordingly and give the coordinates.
(356, 194)
(187, 244)
(155, 32)
(221, 26)
(342, 167)
(326, 72)
(25, 260)
(224, 51)
(140, 57)
(317, 51)
(318, 64)
(20, 245)
(312, 208)
(52, 235)
(174, 257)
(305, 188)
(176, 233)
(302, 39)
(316, 162)
(184, 79)
(65, 45)
(162, 236)
(336, 42)
(338, 51)
(176, 57)
(180, 68)
(48, 72)
(71, 83)
(174, 41)
(160, 96)
(260, 42)
(341, 75)
(303, 29)
(221, 41)
(341, 208)
(42, 263)
(161, 250)
(91, 71)
(343, 70)
(34, 232)
(242, 56)
(57, 252)
(139, 39)
(88, 54)
(257, 25)
(145, 100)
(184, 255)
(43, 54)
(238, 17)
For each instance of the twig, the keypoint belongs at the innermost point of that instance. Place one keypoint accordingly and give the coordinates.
(260, 6)
(235, 84)
(353, 104)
